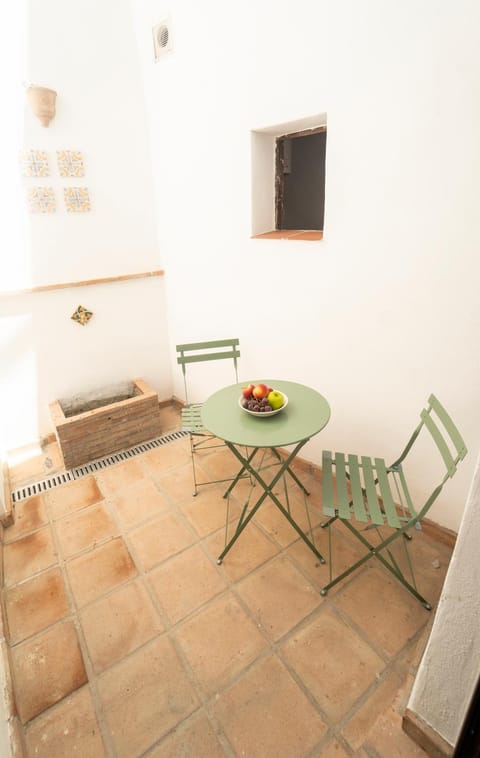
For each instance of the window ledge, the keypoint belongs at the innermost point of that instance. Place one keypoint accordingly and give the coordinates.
(289, 234)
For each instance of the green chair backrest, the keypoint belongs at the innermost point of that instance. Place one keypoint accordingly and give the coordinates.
(445, 435)
(214, 350)
(448, 441)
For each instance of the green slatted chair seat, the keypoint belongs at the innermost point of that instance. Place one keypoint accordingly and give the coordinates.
(377, 506)
(377, 495)
(192, 418)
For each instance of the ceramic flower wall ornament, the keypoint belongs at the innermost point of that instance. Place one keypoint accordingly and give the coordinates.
(41, 199)
(34, 163)
(77, 199)
(70, 163)
(81, 315)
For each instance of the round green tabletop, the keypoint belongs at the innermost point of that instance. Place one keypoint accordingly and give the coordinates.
(306, 414)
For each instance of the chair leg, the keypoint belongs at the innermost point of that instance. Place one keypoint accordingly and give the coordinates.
(376, 551)
(327, 523)
(192, 454)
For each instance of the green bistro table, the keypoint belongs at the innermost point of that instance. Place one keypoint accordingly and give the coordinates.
(306, 414)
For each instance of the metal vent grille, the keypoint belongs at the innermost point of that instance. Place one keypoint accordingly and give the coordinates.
(91, 468)
(162, 39)
(162, 36)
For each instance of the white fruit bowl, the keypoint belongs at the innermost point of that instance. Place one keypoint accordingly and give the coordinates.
(262, 414)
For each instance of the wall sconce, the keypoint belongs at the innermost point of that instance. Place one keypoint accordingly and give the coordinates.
(42, 103)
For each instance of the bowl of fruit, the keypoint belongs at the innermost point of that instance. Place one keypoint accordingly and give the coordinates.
(261, 400)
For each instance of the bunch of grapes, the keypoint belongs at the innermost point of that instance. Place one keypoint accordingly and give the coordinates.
(258, 406)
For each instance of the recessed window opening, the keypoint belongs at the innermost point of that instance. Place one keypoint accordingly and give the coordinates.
(288, 179)
(300, 180)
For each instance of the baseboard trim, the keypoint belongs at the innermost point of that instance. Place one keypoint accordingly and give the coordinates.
(432, 529)
(439, 533)
(423, 734)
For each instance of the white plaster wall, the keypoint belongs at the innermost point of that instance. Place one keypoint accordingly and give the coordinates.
(450, 666)
(385, 309)
(51, 357)
(87, 53)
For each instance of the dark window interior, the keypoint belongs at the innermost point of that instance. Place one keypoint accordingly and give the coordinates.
(300, 180)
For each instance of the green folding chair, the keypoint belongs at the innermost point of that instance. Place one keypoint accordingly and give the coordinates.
(378, 495)
(200, 352)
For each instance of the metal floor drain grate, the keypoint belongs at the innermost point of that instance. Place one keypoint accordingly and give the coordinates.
(29, 490)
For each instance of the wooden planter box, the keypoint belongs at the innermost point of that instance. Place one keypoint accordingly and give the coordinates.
(93, 425)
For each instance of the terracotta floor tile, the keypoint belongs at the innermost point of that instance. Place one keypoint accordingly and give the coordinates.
(277, 526)
(28, 555)
(344, 553)
(30, 515)
(85, 529)
(195, 738)
(186, 582)
(386, 612)
(34, 462)
(147, 676)
(177, 483)
(207, 512)
(242, 491)
(388, 738)
(168, 456)
(359, 725)
(144, 696)
(279, 596)
(332, 749)
(68, 729)
(250, 550)
(159, 539)
(171, 417)
(46, 669)
(118, 624)
(403, 694)
(94, 573)
(35, 604)
(333, 662)
(412, 656)
(424, 556)
(137, 502)
(73, 496)
(31, 469)
(115, 478)
(219, 642)
(220, 463)
(265, 713)
(313, 483)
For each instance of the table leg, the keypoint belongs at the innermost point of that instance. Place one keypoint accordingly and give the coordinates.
(241, 472)
(294, 476)
(267, 492)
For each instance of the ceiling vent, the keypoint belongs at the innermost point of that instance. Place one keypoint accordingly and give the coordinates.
(162, 39)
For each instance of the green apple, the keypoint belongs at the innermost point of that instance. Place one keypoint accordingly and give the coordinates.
(275, 400)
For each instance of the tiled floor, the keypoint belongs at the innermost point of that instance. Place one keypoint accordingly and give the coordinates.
(127, 639)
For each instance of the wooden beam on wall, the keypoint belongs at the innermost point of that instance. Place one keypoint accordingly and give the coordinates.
(84, 283)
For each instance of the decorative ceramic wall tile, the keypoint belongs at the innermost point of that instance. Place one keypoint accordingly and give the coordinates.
(82, 315)
(77, 199)
(41, 199)
(34, 163)
(70, 163)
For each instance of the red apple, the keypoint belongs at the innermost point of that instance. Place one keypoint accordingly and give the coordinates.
(247, 391)
(260, 391)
